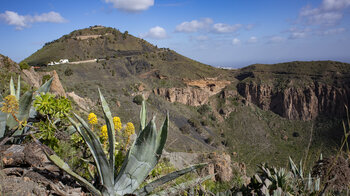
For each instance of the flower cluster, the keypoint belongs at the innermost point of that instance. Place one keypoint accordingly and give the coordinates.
(92, 118)
(130, 129)
(10, 104)
(104, 133)
(117, 123)
(122, 132)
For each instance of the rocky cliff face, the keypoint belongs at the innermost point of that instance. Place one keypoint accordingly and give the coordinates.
(35, 79)
(303, 103)
(196, 93)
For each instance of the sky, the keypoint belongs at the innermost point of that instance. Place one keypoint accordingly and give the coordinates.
(222, 33)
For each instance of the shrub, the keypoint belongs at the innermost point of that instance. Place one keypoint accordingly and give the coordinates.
(68, 72)
(204, 109)
(24, 65)
(186, 129)
(45, 78)
(138, 99)
(193, 122)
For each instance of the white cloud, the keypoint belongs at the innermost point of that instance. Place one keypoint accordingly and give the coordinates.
(332, 31)
(155, 33)
(131, 5)
(335, 4)
(252, 40)
(21, 21)
(194, 25)
(225, 28)
(236, 41)
(297, 33)
(329, 13)
(276, 39)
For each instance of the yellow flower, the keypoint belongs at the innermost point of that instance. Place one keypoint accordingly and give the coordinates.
(130, 129)
(117, 123)
(10, 104)
(104, 133)
(92, 118)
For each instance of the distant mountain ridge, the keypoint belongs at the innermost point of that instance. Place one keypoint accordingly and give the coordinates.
(256, 111)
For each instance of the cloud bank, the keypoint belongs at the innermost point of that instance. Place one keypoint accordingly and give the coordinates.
(156, 32)
(21, 21)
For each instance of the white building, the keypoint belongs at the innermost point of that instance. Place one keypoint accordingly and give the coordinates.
(64, 61)
(61, 61)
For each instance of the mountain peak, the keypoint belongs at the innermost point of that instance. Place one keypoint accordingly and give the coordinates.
(90, 43)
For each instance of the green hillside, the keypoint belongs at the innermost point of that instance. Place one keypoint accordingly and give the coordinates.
(226, 123)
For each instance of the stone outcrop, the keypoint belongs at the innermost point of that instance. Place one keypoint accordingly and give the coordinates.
(219, 165)
(84, 103)
(26, 170)
(196, 93)
(302, 103)
(35, 79)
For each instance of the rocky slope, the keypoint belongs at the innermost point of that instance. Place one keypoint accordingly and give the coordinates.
(252, 113)
(196, 93)
(302, 97)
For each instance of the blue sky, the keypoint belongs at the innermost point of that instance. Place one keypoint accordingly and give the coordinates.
(226, 33)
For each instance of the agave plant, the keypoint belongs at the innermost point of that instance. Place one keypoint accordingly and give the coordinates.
(307, 184)
(9, 126)
(141, 158)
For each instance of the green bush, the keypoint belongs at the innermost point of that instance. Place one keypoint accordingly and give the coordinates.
(193, 122)
(68, 72)
(186, 129)
(204, 109)
(138, 99)
(24, 65)
(46, 78)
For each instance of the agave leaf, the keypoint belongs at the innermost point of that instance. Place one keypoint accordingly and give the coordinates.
(162, 136)
(182, 186)
(45, 87)
(12, 88)
(64, 166)
(18, 88)
(143, 115)
(71, 130)
(294, 168)
(111, 132)
(140, 160)
(151, 186)
(97, 152)
(3, 119)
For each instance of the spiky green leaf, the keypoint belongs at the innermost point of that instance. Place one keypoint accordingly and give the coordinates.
(3, 119)
(97, 152)
(182, 186)
(46, 87)
(143, 115)
(64, 166)
(111, 132)
(18, 88)
(147, 189)
(140, 160)
(12, 88)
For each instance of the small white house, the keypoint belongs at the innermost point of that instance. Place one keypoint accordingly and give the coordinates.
(61, 61)
(64, 61)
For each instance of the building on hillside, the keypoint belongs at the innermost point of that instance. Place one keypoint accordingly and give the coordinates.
(61, 61)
